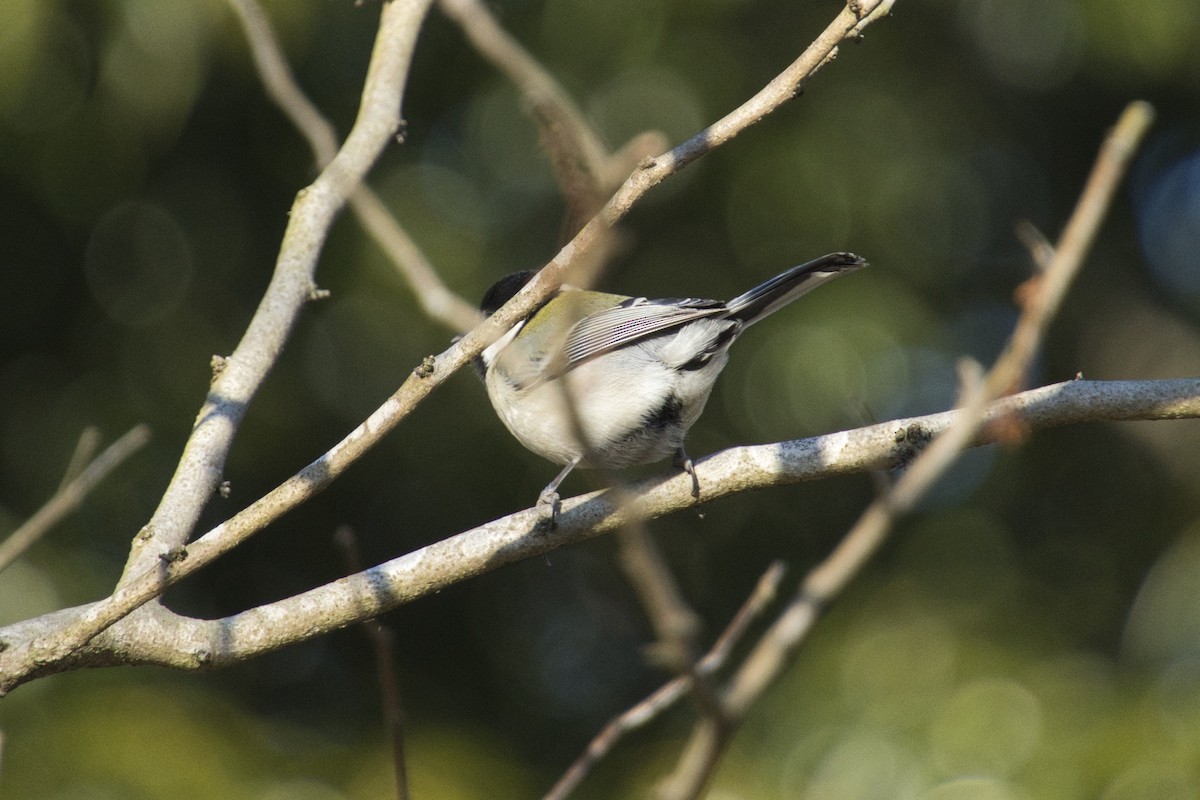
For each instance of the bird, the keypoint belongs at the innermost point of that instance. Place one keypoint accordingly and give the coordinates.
(595, 380)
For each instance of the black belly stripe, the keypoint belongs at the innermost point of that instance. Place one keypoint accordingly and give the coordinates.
(667, 415)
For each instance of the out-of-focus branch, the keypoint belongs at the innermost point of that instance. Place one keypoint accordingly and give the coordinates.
(78, 484)
(586, 171)
(669, 693)
(383, 641)
(545, 97)
(436, 299)
(279, 82)
(85, 449)
(676, 625)
(775, 649)
(1076, 239)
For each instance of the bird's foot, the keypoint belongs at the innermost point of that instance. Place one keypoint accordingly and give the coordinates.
(548, 506)
(684, 462)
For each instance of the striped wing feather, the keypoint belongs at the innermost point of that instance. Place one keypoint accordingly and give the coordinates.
(632, 321)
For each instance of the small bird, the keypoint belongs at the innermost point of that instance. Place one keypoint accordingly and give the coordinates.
(606, 381)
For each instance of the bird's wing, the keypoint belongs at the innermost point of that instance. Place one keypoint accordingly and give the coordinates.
(632, 321)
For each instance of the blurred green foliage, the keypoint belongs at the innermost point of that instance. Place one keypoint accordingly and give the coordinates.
(1033, 632)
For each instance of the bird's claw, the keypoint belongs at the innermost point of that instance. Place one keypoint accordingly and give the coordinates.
(684, 462)
(548, 506)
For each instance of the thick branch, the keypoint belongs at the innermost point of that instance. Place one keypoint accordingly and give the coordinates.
(240, 375)
(170, 640)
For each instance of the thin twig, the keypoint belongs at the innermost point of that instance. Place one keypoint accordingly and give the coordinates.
(384, 643)
(72, 492)
(826, 581)
(436, 299)
(847, 26)
(537, 86)
(281, 86)
(85, 450)
(1076, 239)
(669, 693)
(676, 625)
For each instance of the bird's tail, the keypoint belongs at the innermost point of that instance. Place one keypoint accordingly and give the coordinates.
(772, 295)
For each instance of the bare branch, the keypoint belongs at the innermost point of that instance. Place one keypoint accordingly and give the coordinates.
(438, 302)
(170, 640)
(826, 581)
(383, 641)
(667, 694)
(537, 86)
(587, 172)
(322, 472)
(676, 625)
(160, 543)
(312, 213)
(849, 24)
(1039, 247)
(73, 491)
(85, 449)
(280, 84)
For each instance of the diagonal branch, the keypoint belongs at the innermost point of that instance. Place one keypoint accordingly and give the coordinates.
(824, 583)
(671, 691)
(848, 25)
(78, 484)
(241, 374)
(438, 302)
(587, 173)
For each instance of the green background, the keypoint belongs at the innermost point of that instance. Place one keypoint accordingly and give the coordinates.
(1033, 631)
